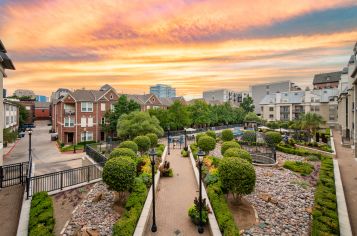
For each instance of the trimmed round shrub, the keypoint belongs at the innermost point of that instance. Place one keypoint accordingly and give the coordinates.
(119, 152)
(228, 145)
(249, 136)
(238, 152)
(153, 139)
(119, 173)
(227, 135)
(198, 136)
(206, 143)
(211, 133)
(129, 144)
(237, 176)
(272, 138)
(143, 143)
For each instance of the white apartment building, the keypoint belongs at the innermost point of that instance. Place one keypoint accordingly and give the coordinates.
(220, 96)
(11, 115)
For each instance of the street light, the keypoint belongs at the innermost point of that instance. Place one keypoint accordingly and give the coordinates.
(30, 144)
(200, 155)
(152, 155)
(168, 140)
(185, 138)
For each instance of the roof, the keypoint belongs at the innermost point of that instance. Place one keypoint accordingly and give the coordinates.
(345, 70)
(352, 59)
(5, 61)
(42, 104)
(84, 95)
(142, 99)
(2, 47)
(286, 97)
(326, 94)
(330, 77)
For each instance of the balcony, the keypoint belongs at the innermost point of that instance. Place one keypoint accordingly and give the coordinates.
(69, 112)
(298, 111)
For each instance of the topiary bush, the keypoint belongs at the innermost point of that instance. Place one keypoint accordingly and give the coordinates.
(153, 139)
(249, 136)
(198, 136)
(206, 143)
(227, 135)
(237, 176)
(118, 152)
(129, 144)
(119, 174)
(273, 138)
(41, 220)
(143, 143)
(211, 133)
(227, 145)
(238, 152)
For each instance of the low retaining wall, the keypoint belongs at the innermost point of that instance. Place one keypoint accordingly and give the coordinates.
(145, 213)
(213, 224)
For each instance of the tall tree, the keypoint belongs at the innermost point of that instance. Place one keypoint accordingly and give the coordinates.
(162, 115)
(248, 104)
(200, 113)
(179, 117)
(311, 122)
(23, 114)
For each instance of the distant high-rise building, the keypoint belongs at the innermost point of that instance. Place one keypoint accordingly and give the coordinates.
(163, 91)
(220, 96)
(24, 93)
(41, 98)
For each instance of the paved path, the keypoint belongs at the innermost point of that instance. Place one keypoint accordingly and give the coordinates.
(348, 169)
(175, 195)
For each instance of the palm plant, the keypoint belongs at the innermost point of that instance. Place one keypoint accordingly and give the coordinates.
(311, 122)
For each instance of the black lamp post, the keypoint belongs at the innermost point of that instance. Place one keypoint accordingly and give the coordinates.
(168, 140)
(152, 155)
(185, 138)
(200, 155)
(30, 144)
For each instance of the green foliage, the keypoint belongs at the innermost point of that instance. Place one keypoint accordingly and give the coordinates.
(311, 122)
(119, 152)
(198, 136)
(153, 139)
(138, 123)
(252, 117)
(249, 136)
(325, 217)
(303, 168)
(237, 176)
(194, 214)
(129, 144)
(211, 178)
(143, 143)
(221, 210)
(23, 114)
(227, 135)
(125, 226)
(179, 116)
(247, 104)
(119, 173)
(160, 150)
(194, 150)
(211, 133)
(184, 153)
(238, 152)
(206, 143)
(227, 145)
(200, 113)
(273, 138)
(9, 136)
(41, 215)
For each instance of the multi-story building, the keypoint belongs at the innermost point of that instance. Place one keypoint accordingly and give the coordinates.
(41, 98)
(24, 93)
(163, 91)
(78, 116)
(259, 91)
(61, 92)
(327, 80)
(291, 105)
(220, 96)
(42, 111)
(151, 101)
(11, 115)
(5, 64)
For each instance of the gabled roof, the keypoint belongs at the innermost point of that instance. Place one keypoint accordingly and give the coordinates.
(2, 47)
(330, 77)
(5, 61)
(42, 104)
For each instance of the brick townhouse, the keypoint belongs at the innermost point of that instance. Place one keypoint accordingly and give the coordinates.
(77, 116)
(151, 101)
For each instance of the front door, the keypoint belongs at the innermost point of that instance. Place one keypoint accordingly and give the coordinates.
(102, 136)
(70, 137)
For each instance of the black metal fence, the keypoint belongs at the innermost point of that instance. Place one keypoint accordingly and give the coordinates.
(95, 155)
(203, 129)
(62, 179)
(13, 174)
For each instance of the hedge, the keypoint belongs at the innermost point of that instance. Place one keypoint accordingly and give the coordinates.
(303, 168)
(129, 144)
(227, 135)
(118, 152)
(227, 145)
(41, 221)
(126, 225)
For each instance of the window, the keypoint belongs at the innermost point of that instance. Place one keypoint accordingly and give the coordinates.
(103, 120)
(12, 119)
(271, 116)
(83, 122)
(262, 109)
(68, 121)
(86, 136)
(28, 108)
(271, 108)
(7, 107)
(102, 106)
(90, 121)
(7, 120)
(112, 107)
(86, 106)
(111, 96)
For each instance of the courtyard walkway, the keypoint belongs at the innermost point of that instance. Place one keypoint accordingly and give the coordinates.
(348, 169)
(175, 195)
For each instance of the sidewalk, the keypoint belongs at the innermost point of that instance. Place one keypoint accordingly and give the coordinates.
(175, 195)
(348, 169)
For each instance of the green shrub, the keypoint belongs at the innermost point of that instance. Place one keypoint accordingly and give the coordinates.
(194, 214)
(119, 173)
(238, 152)
(184, 153)
(129, 144)
(153, 139)
(198, 136)
(249, 136)
(86, 142)
(211, 178)
(194, 150)
(227, 135)
(118, 152)
(160, 150)
(143, 143)
(211, 133)
(206, 143)
(273, 138)
(227, 145)
(41, 220)
(303, 168)
(237, 176)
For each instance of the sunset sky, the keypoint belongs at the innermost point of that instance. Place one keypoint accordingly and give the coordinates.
(192, 45)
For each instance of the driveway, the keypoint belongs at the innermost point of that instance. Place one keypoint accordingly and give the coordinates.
(45, 154)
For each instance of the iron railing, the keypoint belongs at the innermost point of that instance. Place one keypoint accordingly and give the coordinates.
(13, 174)
(95, 155)
(203, 129)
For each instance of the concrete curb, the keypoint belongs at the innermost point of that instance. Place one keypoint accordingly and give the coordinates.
(213, 224)
(145, 213)
(343, 219)
(332, 143)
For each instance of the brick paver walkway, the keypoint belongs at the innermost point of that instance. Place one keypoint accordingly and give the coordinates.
(175, 195)
(348, 169)
(10, 208)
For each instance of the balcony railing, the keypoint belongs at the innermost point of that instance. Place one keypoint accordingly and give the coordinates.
(69, 112)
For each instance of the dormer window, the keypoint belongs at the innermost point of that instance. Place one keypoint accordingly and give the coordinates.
(111, 96)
